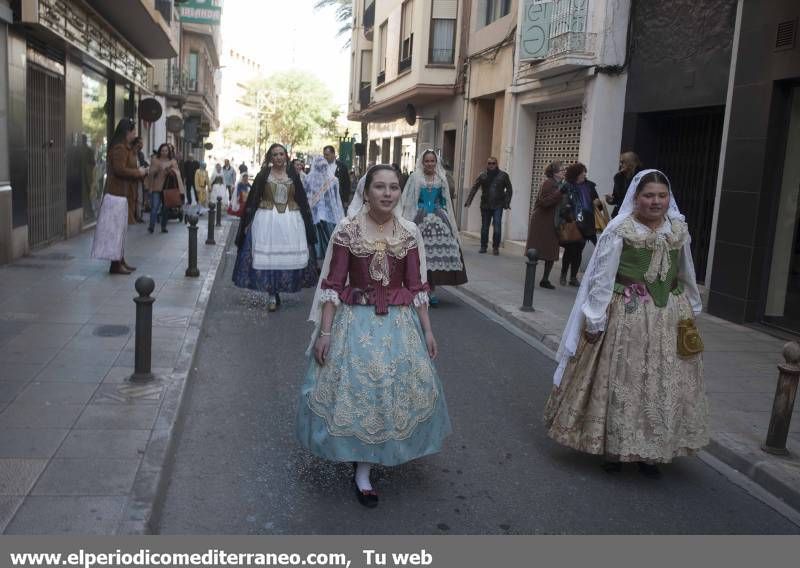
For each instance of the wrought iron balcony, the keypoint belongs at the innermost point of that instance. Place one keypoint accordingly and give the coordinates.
(556, 28)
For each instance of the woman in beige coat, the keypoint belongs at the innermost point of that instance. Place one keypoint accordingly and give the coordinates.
(164, 174)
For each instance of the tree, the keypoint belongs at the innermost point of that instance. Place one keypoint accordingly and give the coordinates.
(344, 15)
(294, 107)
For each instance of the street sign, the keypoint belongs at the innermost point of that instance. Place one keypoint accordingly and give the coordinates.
(537, 16)
(200, 12)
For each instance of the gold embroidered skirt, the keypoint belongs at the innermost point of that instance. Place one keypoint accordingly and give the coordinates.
(630, 396)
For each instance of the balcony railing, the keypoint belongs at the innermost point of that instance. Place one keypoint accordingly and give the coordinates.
(404, 64)
(364, 95)
(556, 28)
(168, 78)
(381, 78)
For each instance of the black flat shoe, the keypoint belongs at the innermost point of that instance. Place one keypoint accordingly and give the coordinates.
(368, 499)
(563, 280)
(574, 282)
(150, 230)
(649, 470)
(164, 231)
(546, 284)
(612, 467)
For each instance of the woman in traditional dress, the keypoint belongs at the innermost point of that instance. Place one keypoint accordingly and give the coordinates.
(629, 384)
(236, 207)
(542, 234)
(112, 221)
(371, 394)
(322, 190)
(426, 201)
(275, 233)
(201, 186)
(218, 189)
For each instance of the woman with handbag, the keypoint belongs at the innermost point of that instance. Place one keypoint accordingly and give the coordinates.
(629, 383)
(541, 234)
(166, 186)
(112, 222)
(577, 221)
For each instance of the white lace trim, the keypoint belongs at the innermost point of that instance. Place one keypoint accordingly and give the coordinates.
(421, 299)
(329, 295)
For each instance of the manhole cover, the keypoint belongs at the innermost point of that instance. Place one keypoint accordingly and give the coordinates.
(111, 330)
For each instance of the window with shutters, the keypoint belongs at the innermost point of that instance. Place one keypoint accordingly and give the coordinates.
(406, 36)
(443, 32)
(495, 9)
(382, 57)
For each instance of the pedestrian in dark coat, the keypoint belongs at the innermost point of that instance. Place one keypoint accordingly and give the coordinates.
(629, 166)
(542, 234)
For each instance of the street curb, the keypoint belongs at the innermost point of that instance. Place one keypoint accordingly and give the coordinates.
(748, 463)
(152, 478)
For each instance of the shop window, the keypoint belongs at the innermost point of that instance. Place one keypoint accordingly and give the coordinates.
(92, 146)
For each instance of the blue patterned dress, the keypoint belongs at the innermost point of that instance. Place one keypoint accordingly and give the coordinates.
(442, 251)
(378, 398)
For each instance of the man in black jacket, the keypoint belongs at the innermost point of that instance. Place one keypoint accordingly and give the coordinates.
(629, 166)
(339, 170)
(189, 168)
(495, 186)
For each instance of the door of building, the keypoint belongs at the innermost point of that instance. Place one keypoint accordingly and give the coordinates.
(685, 145)
(47, 195)
(557, 138)
(783, 296)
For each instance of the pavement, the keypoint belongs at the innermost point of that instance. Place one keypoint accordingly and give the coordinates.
(740, 364)
(238, 468)
(82, 449)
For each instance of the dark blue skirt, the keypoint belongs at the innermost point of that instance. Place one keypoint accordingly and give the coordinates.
(271, 281)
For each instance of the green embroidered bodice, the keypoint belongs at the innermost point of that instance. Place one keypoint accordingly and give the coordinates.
(633, 264)
(651, 259)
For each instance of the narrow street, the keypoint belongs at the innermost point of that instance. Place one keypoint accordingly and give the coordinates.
(238, 469)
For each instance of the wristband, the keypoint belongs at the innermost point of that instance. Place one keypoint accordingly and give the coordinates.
(324, 333)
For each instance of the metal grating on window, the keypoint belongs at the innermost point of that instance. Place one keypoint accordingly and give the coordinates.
(558, 137)
(786, 35)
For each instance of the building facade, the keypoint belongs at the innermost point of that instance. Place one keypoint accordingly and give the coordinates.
(754, 263)
(407, 78)
(71, 70)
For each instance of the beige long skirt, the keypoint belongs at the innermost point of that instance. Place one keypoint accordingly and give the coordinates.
(630, 396)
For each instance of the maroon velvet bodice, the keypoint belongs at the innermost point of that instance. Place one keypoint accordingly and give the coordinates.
(361, 289)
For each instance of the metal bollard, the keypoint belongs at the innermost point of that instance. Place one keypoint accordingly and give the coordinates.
(210, 239)
(144, 330)
(219, 211)
(530, 280)
(192, 270)
(783, 405)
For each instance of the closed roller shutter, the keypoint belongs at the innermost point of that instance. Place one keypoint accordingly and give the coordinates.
(558, 137)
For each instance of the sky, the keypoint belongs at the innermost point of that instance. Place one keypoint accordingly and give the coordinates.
(284, 34)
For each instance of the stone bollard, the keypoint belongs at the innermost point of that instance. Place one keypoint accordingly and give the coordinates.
(192, 271)
(144, 330)
(783, 405)
(210, 240)
(530, 280)
(219, 211)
